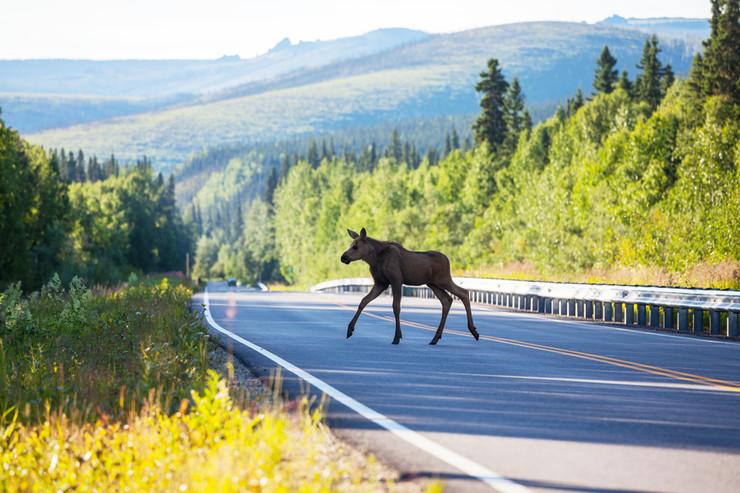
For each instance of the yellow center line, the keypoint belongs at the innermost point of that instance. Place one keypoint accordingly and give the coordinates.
(641, 367)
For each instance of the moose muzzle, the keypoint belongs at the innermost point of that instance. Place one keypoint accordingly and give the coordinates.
(345, 259)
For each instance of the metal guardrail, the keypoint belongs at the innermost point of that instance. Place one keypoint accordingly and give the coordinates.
(699, 311)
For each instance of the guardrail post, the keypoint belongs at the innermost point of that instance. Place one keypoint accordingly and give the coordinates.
(618, 312)
(589, 309)
(608, 311)
(714, 322)
(629, 314)
(732, 328)
(698, 323)
(669, 318)
(641, 315)
(571, 308)
(598, 310)
(654, 316)
(683, 319)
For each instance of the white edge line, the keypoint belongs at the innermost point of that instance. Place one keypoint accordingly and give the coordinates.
(473, 469)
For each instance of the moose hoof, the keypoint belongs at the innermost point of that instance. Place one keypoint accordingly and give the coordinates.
(349, 334)
(433, 342)
(396, 341)
(475, 334)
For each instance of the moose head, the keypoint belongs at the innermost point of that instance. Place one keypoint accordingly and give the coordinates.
(359, 247)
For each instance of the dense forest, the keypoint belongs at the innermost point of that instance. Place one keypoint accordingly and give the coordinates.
(637, 182)
(62, 213)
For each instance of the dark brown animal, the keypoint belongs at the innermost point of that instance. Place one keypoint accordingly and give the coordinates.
(392, 265)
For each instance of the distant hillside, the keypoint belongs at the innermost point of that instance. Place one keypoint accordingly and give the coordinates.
(165, 78)
(693, 31)
(81, 91)
(430, 77)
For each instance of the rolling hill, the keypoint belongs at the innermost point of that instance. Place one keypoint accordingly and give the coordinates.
(81, 91)
(430, 76)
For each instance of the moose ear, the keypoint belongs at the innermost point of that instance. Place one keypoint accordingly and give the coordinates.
(363, 233)
(352, 234)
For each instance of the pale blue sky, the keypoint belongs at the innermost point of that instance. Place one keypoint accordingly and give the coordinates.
(114, 29)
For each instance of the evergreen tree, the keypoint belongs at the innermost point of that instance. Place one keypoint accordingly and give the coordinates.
(455, 139)
(527, 121)
(666, 79)
(395, 149)
(272, 183)
(81, 174)
(313, 157)
(64, 173)
(625, 83)
(284, 167)
(490, 125)
(648, 83)
(572, 104)
(513, 116)
(605, 78)
(720, 68)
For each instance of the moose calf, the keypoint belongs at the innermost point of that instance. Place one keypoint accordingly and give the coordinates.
(392, 265)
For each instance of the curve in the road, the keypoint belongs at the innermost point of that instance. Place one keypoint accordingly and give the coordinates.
(471, 468)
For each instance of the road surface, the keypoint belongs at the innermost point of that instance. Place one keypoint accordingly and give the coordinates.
(538, 404)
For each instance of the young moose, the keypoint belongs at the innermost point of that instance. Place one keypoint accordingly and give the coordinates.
(391, 264)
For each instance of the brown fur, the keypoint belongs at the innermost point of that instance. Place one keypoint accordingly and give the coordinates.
(392, 265)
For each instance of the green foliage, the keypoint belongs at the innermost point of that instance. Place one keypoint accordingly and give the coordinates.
(85, 224)
(72, 348)
(610, 186)
(33, 212)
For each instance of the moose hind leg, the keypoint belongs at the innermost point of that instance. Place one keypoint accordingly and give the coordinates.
(462, 293)
(446, 301)
(397, 292)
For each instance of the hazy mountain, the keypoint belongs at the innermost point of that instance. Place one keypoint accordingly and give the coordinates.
(81, 91)
(165, 78)
(431, 76)
(693, 31)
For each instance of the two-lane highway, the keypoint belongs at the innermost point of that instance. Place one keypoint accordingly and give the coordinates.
(537, 404)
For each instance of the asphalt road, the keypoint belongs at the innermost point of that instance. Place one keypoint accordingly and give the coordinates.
(538, 404)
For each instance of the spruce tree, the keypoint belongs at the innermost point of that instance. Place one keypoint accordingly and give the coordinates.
(625, 83)
(513, 115)
(313, 157)
(720, 68)
(284, 167)
(81, 174)
(648, 83)
(605, 78)
(396, 150)
(666, 79)
(272, 183)
(490, 125)
(455, 139)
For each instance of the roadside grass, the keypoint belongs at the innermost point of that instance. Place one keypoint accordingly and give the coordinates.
(109, 390)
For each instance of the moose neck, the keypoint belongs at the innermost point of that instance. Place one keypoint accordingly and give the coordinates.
(371, 258)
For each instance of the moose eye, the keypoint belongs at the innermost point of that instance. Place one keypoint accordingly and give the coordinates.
(354, 247)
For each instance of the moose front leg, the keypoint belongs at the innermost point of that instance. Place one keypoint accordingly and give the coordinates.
(397, 292)
(374, 293)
